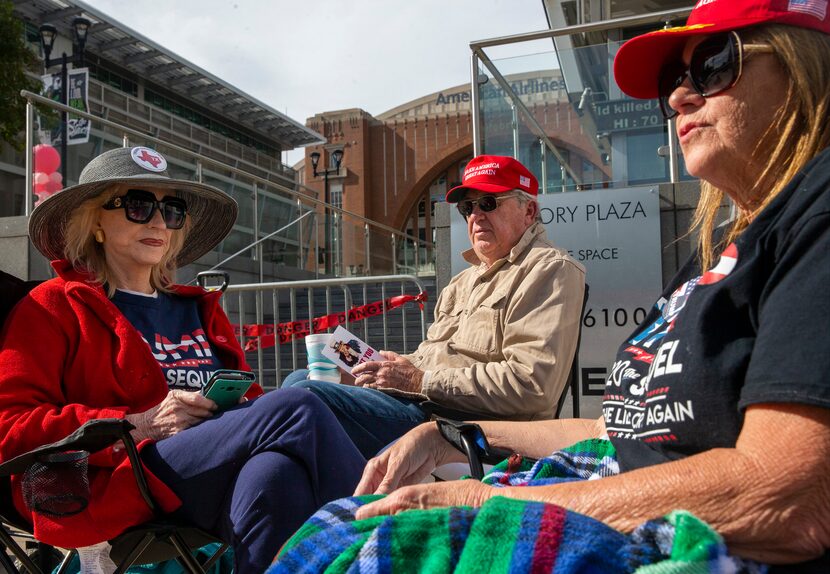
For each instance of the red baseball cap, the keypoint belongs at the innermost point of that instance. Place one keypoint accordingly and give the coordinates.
(494, 174)
(639, 61)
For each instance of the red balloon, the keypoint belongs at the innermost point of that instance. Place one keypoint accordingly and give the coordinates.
(41, 187)
(41, 196)
(53, 186)
(47, 158)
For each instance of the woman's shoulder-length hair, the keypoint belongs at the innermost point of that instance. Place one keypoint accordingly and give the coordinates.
(86, 254)
(797, 133)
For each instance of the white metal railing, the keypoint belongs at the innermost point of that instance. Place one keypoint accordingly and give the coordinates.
(270, 304)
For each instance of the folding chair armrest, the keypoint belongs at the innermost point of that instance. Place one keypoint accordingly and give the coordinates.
(469, 439)
(138, 471)
(92, 436)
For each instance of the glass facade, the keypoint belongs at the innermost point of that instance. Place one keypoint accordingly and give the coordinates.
(190, 114)
(562, 115)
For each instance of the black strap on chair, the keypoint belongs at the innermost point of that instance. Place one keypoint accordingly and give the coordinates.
(12, 290)
(469, 439)
(573, 376)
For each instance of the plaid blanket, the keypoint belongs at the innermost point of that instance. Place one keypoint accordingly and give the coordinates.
(506, 535)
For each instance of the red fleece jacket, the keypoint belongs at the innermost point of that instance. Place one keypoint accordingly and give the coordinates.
(68, 355)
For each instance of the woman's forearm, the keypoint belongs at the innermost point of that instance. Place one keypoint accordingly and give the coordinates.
(769, 497)
(538, 439)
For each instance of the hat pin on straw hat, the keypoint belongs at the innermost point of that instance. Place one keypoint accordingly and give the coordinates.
(211, 211)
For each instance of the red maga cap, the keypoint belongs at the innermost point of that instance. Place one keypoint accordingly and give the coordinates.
(494, 174)
(639, 61)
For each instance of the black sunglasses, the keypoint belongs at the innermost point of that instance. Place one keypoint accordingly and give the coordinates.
(140, 206)
(486, 203)
(715, 66)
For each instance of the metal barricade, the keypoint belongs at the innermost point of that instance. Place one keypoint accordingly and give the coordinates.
(267, 305)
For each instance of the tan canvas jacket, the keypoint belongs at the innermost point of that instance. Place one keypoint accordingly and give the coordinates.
(504, 337)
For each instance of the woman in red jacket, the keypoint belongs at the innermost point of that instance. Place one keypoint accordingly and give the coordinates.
(112, 336)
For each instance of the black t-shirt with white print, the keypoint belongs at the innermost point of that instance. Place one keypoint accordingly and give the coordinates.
(753, 329)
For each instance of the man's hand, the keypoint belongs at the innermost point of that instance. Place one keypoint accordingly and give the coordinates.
(435, 495)
(394, 372)
(408, 461)
(179, 410)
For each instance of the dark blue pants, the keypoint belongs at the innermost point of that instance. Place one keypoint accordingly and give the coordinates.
(372, 419)
(252, 474)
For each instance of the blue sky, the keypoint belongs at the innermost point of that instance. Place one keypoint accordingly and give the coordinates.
(304, 57)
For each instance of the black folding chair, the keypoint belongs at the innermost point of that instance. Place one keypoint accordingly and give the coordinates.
(155, 541)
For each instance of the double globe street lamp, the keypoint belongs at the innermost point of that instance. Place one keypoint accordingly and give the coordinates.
(48, 34)
(336, 160)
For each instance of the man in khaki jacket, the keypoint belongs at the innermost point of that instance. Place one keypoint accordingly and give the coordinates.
(505, 328)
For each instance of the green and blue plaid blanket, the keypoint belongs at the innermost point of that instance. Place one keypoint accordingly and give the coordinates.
(508, 536)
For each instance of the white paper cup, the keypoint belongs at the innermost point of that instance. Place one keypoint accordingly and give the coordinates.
(314, 345)
(324, 371)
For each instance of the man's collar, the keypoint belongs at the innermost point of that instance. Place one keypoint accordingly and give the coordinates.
(526, 239)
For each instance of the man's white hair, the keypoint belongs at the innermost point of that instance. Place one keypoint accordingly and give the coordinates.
(525, 196)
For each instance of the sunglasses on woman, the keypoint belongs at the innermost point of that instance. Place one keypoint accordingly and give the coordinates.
(140, 205)
(485, 203)
(715, 66)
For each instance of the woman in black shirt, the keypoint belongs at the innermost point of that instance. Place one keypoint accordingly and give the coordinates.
(719, 403)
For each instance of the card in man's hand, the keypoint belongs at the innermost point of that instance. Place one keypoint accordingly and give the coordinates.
(347, 350)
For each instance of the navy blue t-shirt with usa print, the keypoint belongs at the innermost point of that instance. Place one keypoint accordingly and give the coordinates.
(753, 329)
(172, 328)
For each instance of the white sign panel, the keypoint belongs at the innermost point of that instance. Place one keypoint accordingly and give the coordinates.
(615, 234)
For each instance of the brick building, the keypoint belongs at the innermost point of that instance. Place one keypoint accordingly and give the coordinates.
(397, 165)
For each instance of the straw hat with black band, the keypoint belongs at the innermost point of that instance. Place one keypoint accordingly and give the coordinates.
(211, 211)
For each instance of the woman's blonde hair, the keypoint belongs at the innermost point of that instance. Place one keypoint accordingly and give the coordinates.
(86, 254)
(797, 133)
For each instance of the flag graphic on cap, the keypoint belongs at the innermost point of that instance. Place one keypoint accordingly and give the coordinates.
(817, 8)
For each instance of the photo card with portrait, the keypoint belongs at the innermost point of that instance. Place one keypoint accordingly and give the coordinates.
(346, 350)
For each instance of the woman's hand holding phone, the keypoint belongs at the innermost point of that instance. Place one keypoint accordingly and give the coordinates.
(227, 387)
(178, 411)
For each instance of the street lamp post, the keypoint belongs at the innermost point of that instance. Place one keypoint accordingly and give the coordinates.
(48, 33)
(336, 158)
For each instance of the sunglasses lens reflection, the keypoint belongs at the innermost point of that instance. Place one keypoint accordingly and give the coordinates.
(173, 216)
(486, 204)
(139, 210)
(713, 68)
(714, 65)
(141, 205)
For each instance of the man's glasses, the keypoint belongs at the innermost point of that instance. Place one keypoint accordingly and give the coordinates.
(140, 206)
(485, 203)
(715, 66)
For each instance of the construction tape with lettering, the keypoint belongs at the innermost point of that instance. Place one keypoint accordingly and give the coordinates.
(264, 336)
